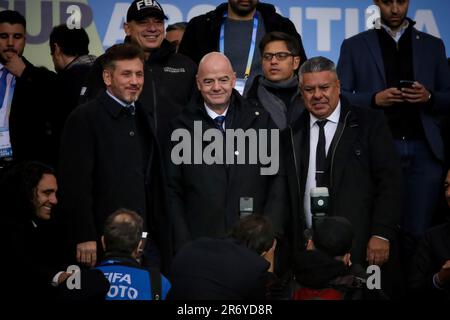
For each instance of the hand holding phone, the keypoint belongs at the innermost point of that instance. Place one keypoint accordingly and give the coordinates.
(405, 84)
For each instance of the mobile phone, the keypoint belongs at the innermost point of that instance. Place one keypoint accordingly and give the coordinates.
(405, 84)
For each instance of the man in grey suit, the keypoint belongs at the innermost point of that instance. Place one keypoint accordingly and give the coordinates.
(403, 72)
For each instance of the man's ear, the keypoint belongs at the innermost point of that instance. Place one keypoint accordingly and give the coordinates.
(107, 77)
(103, 243)
(296, 62)
(347, 260)
(126, 28)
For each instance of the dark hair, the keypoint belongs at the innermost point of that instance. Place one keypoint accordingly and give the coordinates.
(334, 236)
(123, 51)
(176, 26)
(291, 43)
(73, 42)
(255, 232)
(12, 17)
(317, 64)
(123, 231)
(18, 184)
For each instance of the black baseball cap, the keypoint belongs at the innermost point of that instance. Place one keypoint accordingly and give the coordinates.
(141, 9)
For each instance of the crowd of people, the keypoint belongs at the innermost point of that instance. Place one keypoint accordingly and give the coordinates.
(187, 166)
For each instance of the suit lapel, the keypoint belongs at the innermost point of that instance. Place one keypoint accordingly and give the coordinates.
(372, 42)
(417, 52)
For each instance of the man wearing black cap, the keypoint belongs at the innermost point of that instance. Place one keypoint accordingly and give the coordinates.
(169, 77)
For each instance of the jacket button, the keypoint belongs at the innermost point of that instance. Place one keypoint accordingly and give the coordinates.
(256, 113)
(358, 152)
(131, 133)
(236, 152)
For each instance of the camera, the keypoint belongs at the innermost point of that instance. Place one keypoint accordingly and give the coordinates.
(319, 205)
(245, 206)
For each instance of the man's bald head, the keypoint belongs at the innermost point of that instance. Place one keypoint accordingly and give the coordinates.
(216, 80)
(123, 231)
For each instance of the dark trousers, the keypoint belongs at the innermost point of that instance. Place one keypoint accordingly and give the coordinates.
(422, 188)
(423, 176)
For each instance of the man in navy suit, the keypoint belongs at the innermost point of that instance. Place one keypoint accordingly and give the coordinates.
(373, 67)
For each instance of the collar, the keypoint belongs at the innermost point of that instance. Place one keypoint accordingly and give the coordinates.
(397, 35)
(334, 117)
(123, 104)
(213, 114)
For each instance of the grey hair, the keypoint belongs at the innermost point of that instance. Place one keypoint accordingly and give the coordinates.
(317, 64)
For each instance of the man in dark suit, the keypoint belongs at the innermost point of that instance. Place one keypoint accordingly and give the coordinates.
(350, 151)
(25, 131)
(109, 158)
(235, 268)
(371, 67)
(207, 198)
(169, 76)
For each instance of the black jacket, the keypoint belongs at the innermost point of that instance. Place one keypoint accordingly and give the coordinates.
(433, 251)
(204, 199)
(365, 176)
(104, 167)
(316, 271)
(169, 81)
(29, 121)
(202, 33)
(294, 110)
(218, 269)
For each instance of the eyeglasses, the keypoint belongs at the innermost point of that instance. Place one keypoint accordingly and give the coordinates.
(279, 55)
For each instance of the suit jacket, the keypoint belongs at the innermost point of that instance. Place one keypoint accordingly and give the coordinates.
(365, 175)
(204, 199)
(218, 269)
(29, 121)
(103, 168)
(362, 74)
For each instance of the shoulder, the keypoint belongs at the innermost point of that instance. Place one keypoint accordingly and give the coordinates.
(209, 16)
(430, 39)
(359, 37)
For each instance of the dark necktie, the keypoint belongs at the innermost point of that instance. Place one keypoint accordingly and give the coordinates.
(3, 85)
(321, 155)
(219, 122)
(130, 109)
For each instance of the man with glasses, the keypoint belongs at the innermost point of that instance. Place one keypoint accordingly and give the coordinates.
(277, 89)
(235, 29)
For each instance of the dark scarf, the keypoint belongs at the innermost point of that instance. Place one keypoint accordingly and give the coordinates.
(274, 105)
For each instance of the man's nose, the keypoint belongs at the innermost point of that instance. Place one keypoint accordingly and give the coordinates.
(317, 93)
(216, 85)
(52, 199)
(10, 41)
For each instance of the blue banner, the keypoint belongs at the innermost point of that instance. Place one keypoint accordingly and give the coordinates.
(323, 24)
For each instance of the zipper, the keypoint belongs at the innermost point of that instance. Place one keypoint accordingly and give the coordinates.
(155, 107)
(335, 147)
(295, 162)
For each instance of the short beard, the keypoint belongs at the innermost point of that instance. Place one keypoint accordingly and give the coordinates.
(242, 11)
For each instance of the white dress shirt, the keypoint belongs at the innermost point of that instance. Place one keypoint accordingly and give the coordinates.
(214, 115)
(330, 129)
